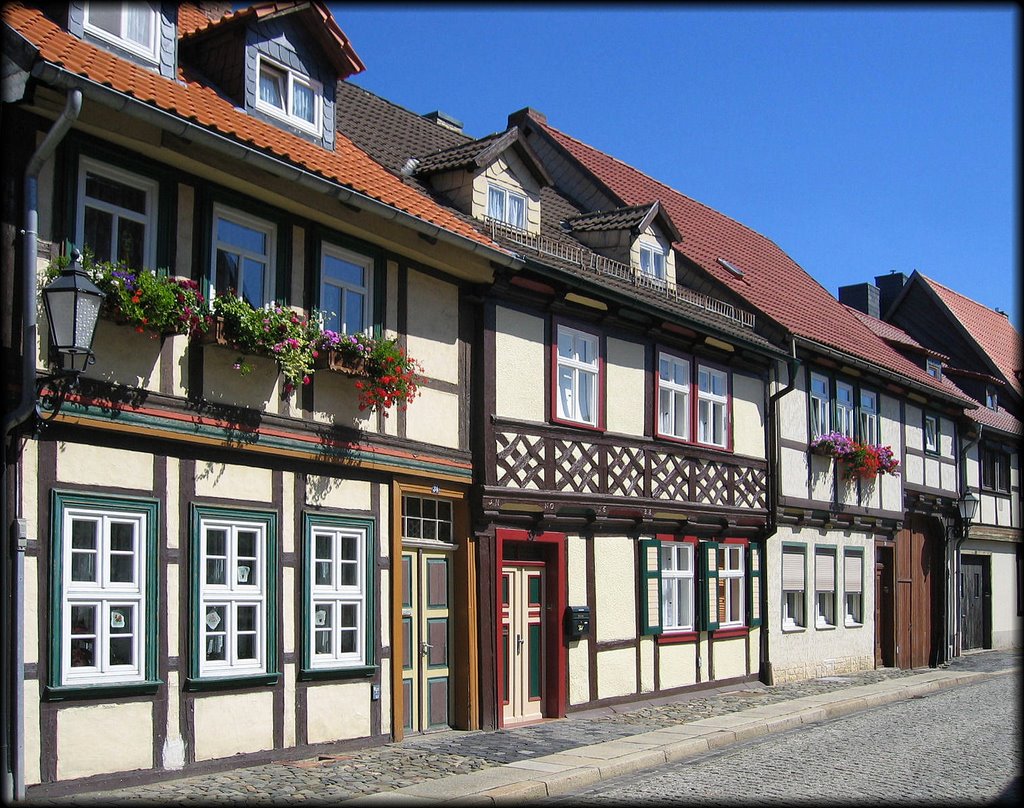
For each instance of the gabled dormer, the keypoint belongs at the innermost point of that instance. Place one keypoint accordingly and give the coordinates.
(496, 178)
(142, 32)
(640, 236)
(279, 62)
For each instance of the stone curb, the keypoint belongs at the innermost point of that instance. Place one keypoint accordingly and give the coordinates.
(574, 769)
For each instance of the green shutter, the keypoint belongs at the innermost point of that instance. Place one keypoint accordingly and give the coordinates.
(753, 585)
(650, 586)
(709, 584)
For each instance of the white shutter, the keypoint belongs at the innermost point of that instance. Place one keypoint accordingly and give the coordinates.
(824, 572)
(852, 564)
(793, 571)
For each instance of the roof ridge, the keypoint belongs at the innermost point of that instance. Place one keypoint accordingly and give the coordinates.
(349, 82)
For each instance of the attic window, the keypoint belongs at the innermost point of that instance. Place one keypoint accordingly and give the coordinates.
(290, 96)
(991, 398)
(652, 263)
(934, 368)
(729, 265)
(131, 26)
(506, 207)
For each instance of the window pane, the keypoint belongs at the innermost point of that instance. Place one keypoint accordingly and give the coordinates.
(138, 25)
(354, 321)
(517, 211)
(106, 16)
(122, 536)
(83, 550)
(272, 87)
(349, 574)
(98, 233)
(347, 642)
(303, 102)
(246, 544)
(105, 189)
(565, 396)
(246, 646)
(122, 568)
(227, 271)
(331, 306)
(246, 618)
(496, 203)
(349, 615)
(587, 384)
(345, 271)
(254, 273)
(238, 235)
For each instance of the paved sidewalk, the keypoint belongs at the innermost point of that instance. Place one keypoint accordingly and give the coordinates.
(556, 756)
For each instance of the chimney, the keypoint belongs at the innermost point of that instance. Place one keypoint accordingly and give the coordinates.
(862, 297)
(445, 120)
(890, 287)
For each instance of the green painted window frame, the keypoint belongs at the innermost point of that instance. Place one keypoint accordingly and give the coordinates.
(755, 568)
(270, 674)
(60, 501)
(650, 572)
(368, 666)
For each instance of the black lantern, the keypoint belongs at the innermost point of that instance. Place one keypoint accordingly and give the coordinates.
(72, 304)
(968, 507)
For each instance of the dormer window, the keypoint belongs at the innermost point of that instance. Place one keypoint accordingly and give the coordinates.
(290, 96)
(131, 26)
(934, 367)
(507, 207)
(652, 263)
(991, 398)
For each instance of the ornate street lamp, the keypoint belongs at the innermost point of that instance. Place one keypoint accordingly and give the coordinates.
(968, 507)
(72, 304)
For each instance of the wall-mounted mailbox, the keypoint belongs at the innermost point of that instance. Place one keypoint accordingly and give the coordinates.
(577, 622)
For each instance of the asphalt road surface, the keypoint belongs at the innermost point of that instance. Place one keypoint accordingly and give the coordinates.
(960, 746)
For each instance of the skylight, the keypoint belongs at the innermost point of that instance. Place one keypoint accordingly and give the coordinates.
(735, 270)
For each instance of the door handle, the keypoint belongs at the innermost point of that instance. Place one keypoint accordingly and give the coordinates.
(424, 647)
(519, 644)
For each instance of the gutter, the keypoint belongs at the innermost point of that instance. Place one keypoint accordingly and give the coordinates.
(168, 122)
(773, 453)
(13, 576)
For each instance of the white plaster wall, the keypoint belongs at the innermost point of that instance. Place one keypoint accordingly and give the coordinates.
(337, 711)
(615, 589)
(579, 671)
(823, 473)
(616, 673)
(809, 652)
(98, 465)
(792, 407)
(30, 489)
(624, 410)
(795, 468)
(291, 619)
(102, 738)
(176, 595)
(336, 401)
(30, 730)
(173, 752)
(578, 657)
(730, 657)
(748, 417)
(646, 664)
(434, 418)
(519, 354)
(433, 325)
(509, 172)
(30, 626)
(233, 481)
(914, 426)
(677, 665)
(260, 389)
(233, 724)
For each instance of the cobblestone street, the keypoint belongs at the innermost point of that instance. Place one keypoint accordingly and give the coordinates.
(424, 758)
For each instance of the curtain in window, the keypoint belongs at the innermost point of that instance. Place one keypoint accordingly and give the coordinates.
(517, 211)
(496, 204)
(303, 102)
(137, 24)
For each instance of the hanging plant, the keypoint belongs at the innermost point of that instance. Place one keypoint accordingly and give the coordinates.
(861, 460)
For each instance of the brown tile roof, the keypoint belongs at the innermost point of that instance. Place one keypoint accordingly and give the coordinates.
(772, 282)
(347, 165)
(991, 331)
(617, 219)
(464, 155)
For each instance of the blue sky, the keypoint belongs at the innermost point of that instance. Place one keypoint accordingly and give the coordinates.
(861, 139)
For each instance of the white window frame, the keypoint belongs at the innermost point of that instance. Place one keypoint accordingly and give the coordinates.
(844, 408)
(732, 570)
(232, 595)
(88, 165)
(655, 269)
(794, 609)
(853, 588)
(253, 223)
(506, 210)
(674, 396)
(824, 598)
(150, 54)
(712, 407)
(821, 420)
(931, 435)
(291, 78)
(104, 596)
(678, 585)
(337, 595)
(580, 373)
(365, 262)
(869, 417)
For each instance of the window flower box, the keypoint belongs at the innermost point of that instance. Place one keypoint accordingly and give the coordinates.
(859, 460)
(387, 374)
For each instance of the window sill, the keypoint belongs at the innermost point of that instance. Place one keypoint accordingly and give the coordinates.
(794, 629)
(198, 684)
(353, 672)
(559, 421)
(101, 690)
(732, 631)
(824, 627)
(676, 637)
(851, 624)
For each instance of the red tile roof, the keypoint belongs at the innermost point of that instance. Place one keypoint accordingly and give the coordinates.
(347, 165)
(772, 281)
(992, 331)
